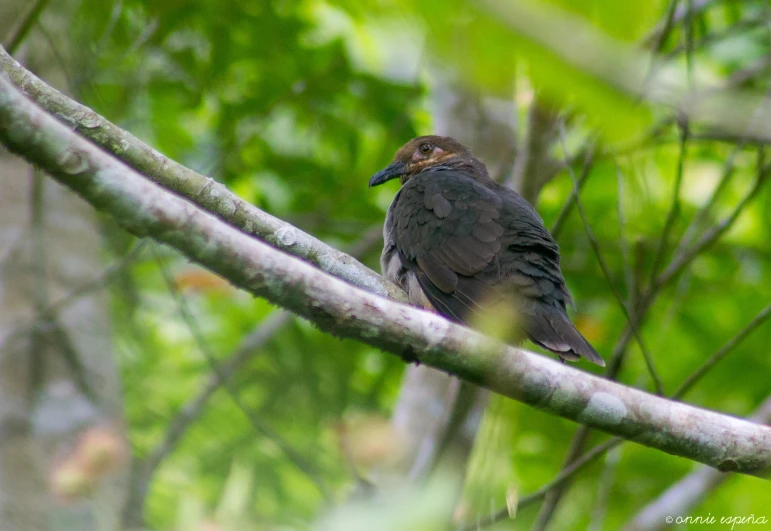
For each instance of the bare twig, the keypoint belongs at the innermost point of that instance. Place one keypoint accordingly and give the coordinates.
(604, 266)
(604, 489)
(571, 470)
(630, 278)
(676, 500)
(749, 73)
(738, 27)
(534, 166)
(688, 23)
(555, 487)
(300, 462)
(698, 219)
(188, 413)
(680, 261)
(686, 256)
(674, 209)
(553, 496)
(556, 227)
(663, 28)
(726, 349)
(565, 474)
(249, 345)
(37, 338)
(677, 264)
(660, 37)
(52, 337)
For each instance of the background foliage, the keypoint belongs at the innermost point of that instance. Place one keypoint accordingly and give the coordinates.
(294, 105)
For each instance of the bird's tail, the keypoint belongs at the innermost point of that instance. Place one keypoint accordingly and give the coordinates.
(557, 334)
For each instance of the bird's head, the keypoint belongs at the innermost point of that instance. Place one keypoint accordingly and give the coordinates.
(426, 153)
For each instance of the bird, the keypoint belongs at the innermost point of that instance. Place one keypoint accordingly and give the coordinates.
(464, 246)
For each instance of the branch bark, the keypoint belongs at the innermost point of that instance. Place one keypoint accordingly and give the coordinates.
(145, 209)
(683, 496)
(201, 190)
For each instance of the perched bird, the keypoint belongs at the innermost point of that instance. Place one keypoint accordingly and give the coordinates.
(463, 245)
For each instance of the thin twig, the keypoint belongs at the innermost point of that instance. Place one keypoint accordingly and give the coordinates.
(568, 472)
(187, 414)
(739, 27)
(257, 423)
(674, 209)
(689, 383)
(728, 170)
(689, 14)
(678, 263)
(144, 469)
(725, 177)
(686, 256)
(654, 35)
(662, 36)
(36, 349)
(760, 415)
(534, 166)
(556, 227)
(718, 356)
(555, 493)
(565, 474)
(604, 266)
(629, 276)
(249, 346)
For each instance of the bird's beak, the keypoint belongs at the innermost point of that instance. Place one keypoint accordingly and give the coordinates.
(393, 171)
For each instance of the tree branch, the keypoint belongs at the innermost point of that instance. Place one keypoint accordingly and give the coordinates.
(683, 496)
(145, 209)
(573, 463)
(201, 190)
(681, 259)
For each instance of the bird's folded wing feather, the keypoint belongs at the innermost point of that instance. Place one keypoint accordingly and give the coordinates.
(470, 247)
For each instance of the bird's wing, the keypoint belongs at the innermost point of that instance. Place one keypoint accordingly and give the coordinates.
(471, 248)
(448, 232)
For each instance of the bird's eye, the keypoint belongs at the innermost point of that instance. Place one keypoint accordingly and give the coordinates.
(426, 148)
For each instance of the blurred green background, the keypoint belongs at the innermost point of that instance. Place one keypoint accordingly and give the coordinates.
(293, 105)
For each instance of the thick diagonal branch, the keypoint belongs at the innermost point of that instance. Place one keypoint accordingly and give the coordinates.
(203, 191)
(145, 209)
